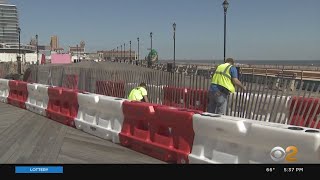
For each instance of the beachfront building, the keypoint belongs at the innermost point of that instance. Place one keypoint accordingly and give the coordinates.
(9, 34)
(9, 23)
(9, 37)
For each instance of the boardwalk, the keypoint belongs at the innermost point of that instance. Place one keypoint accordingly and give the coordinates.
(26, 137)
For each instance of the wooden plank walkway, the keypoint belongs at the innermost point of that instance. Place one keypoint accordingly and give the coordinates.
(27, 138)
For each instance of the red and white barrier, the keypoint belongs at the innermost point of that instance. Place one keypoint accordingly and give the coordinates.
(18, 93)
(62, 105)
(161, 132)
(223, 139)
(38, 98)
(4, 90)
(170, 134)
(101, 116)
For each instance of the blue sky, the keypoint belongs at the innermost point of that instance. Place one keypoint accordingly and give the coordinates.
(256, 29)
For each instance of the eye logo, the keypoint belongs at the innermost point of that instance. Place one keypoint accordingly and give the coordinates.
(279, 154)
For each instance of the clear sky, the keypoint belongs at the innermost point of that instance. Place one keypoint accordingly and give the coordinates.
(256, 29)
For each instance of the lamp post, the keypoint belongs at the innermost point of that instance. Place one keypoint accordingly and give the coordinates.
(117, 54)
(37, 50)
(77, 53)
(138, 50)
(225, 5)
(174, 45)
(130, 53)
(124, 52)
(112, 55)
(19, 56)
(149, 58)
(121, 54)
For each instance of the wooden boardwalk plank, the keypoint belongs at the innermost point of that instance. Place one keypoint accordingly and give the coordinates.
(27, 138)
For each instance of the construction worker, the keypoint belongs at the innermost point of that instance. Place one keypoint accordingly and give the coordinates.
(139, 93)
(223, 83)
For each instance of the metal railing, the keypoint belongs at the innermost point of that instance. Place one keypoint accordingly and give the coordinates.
(266, 99)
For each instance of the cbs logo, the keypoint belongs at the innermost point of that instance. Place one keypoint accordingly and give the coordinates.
(279, 154)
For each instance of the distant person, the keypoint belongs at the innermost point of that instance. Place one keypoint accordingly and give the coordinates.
(223, 83)
(139, 93)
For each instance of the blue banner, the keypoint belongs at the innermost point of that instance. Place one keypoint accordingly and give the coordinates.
(39, 169)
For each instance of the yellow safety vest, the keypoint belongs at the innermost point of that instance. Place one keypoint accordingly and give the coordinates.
(135, 94)
(222, 77)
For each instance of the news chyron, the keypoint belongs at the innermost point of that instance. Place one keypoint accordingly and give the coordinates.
(39, 169)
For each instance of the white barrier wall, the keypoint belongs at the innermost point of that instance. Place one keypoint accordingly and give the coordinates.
(38, 98)
(12, 57)
(101, 116)
(8, 57)
(32, 58)
(223, 139)
(4, 90)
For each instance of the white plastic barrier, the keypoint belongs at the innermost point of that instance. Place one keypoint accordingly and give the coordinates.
(101, 116)
(38, 98)
(4, 90)
(223, 139)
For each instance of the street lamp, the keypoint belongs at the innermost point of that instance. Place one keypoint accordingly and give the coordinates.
(117, 54)
(174, 45)
(225, 5)
(19, 56)
(138, 50)
(130, 53)
(112, 54)
(37, 50)
(149, 59)
(121, 54)
(77, 54)
(124, 52)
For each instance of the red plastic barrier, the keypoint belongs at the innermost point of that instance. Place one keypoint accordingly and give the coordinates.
(71, 81)
(304, 105)
(18, 93)
(137, 116)
(300, 121)
(63, 105)
(118, 89)
(110, 88)
(198, 99)
(176, 144)
(103, 88)
(176, 97)
(161, 132)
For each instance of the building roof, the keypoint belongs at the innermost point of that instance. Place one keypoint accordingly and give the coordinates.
(3, 2)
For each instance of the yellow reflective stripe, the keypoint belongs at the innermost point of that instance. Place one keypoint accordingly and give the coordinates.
(224, 73)
(225, 70)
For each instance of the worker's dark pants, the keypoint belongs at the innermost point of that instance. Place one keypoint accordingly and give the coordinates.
(217, 102)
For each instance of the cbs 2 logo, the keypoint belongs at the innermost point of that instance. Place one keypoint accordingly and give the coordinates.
(279, 154)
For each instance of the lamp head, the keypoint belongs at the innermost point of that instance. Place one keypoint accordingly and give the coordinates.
(225, 5)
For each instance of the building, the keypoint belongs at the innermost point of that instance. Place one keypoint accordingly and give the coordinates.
(78, 50)
(10, 31)
(54, 43)
(9, 23)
